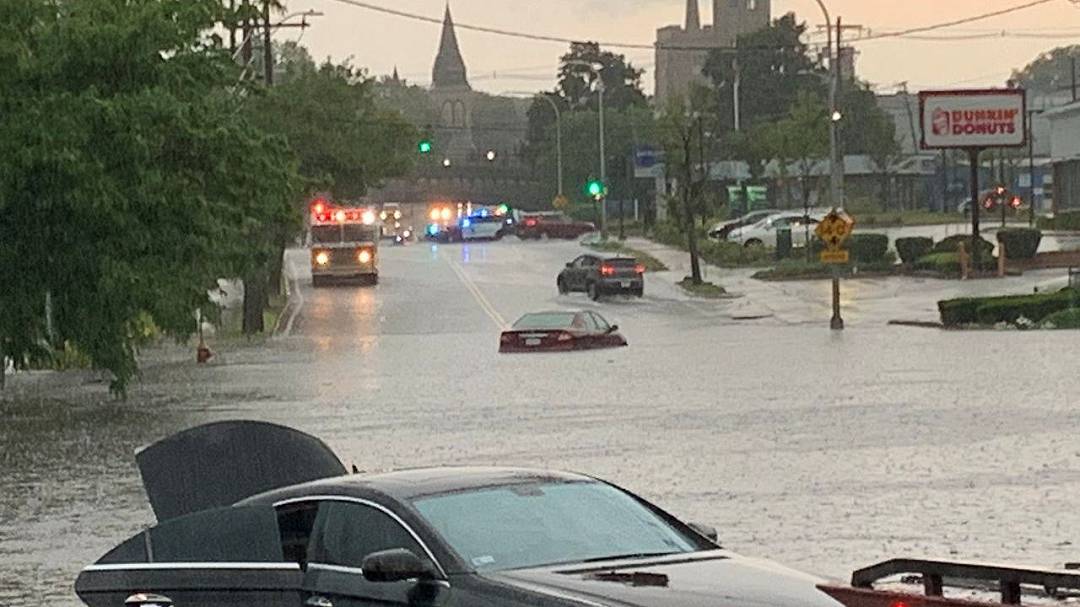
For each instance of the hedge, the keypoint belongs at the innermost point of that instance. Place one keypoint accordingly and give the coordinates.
(952, 245)
(1020, 243)
(911, 249)
(864, 248)
(993, 310)
(1064, 319)
(1067, 220)
(732, 254)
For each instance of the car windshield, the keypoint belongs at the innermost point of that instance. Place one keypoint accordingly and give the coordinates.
(349, 232)
(549, 320)
(549, 523)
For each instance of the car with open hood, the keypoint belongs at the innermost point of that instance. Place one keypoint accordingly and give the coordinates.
(251, 513)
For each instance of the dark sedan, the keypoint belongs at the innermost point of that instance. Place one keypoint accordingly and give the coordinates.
(555, 331)
(449, 537)
(598, 276)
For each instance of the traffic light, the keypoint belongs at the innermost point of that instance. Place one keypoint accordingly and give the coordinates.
(424, 146)
(503, 209)
(595, 188)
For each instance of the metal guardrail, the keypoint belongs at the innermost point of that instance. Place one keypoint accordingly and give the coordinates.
(934, 572)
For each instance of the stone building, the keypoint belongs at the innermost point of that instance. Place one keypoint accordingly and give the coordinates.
(681, 50)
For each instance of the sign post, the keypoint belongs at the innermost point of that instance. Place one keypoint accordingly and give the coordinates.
(973, 120)
(834, 231)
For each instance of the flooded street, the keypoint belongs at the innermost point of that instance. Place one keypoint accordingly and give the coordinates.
(822, 451)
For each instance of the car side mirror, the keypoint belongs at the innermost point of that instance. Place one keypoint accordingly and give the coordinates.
(570, 265)
(395, 565)
(707, 531)
(612, 329)
(144, 599)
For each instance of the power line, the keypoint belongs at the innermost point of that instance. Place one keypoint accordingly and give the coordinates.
(955, 22)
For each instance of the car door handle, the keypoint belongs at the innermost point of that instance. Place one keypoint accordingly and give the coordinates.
(318, 601)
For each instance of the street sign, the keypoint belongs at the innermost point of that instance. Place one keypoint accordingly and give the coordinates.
(835, 229)
(560, 202)
(973, 119)
(841, 256)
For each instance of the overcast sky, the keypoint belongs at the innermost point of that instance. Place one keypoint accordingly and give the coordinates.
(498, 64)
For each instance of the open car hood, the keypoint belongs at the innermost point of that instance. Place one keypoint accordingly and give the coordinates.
(222, 463)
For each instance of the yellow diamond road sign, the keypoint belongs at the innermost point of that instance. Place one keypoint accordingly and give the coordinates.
(560, 202)
(835, 229)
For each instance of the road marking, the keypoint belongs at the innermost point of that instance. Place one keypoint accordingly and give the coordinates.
(299, 298)
(485, 304)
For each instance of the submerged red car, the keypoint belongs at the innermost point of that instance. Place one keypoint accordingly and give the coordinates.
(558, 331)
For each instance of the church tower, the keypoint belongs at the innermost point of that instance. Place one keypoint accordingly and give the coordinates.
(451, 93)
(732, 18)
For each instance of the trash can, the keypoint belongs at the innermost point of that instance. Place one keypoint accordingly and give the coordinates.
(783, 242)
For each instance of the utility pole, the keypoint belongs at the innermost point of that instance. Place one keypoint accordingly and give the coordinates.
(268, 50)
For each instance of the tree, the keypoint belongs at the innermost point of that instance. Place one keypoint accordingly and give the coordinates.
(880, 134)
(803, 137)
(1050, 73)
(622, 81)
(344, 139)
(682, 132)
(773, 66)
(130, 181)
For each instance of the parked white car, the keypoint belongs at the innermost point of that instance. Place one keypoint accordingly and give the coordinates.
(763, 233)
(721, 230)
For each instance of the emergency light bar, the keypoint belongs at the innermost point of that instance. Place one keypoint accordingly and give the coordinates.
(323, 213)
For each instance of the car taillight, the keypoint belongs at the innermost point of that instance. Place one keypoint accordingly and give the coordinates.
(530, 222)
(607, 270)
(564, 336)
(640, 269)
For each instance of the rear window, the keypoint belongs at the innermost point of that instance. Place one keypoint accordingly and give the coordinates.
(554, 320)
(621, 262)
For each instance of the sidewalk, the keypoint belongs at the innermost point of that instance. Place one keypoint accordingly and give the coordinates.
(865, 302)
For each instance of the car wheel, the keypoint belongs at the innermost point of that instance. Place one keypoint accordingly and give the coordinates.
(639, 292)
(593, 290)
(563, 289)
(317, 281)
(753, 243)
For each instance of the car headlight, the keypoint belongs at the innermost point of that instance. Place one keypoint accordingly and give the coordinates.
(406, 234)
(322, 258)
(368, 218)
(364, 256)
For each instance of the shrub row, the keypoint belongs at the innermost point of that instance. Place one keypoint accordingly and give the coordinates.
(993, 310)
(911, 249)
(1068, 220)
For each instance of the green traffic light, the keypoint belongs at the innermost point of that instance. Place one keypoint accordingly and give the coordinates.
(424, 147)
(595, 188)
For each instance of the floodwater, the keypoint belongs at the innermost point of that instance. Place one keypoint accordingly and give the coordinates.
(823, 451)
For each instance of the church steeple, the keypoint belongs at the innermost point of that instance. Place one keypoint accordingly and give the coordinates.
(693, 16)
(449, 68)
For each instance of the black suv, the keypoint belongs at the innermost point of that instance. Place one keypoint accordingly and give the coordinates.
(598, 276)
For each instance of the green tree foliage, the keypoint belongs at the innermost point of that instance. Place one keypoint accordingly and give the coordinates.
(622, 81)
(1050, 73)
(130, 180)
(682, 132)
(773, 64)
(802, 137)
(345, 140)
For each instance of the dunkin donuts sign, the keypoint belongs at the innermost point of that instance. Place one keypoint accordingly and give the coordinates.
(973, 119)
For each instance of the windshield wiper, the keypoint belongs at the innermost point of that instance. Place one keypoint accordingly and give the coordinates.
(632, 555)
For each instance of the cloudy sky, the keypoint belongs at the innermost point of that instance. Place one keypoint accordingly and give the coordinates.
(498, 64)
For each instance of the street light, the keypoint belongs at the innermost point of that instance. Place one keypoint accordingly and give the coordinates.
(836, 181)
(597, 69)
(490, 155)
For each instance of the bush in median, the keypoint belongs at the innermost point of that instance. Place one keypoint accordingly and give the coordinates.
(1020, 243)
(952, 245)
(868, 248)
(1068, 220)
(994, 310)
(1065, 319)
(732, 254)
(911, 249)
